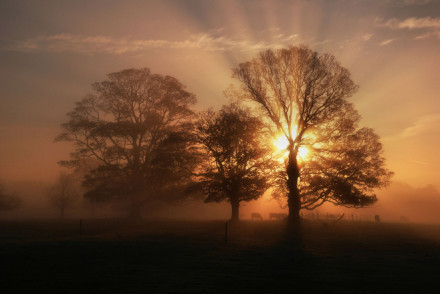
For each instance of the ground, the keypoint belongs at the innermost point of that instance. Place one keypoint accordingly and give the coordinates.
(192, 257)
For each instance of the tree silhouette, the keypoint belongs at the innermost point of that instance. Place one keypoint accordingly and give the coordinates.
(304, 95)
(236, 161)
(8, 201)
(138, 125)
(63, 193)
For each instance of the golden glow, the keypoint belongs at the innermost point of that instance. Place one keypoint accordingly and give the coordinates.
(282, 143)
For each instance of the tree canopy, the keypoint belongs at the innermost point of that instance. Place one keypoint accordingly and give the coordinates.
(304, 97)
(138, 125)
(237, 159)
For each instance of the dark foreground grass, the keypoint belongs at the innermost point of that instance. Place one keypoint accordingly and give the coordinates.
(191, 257)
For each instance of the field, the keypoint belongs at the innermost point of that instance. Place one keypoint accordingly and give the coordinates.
(192, 257)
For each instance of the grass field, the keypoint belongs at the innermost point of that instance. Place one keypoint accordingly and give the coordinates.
(192, 257)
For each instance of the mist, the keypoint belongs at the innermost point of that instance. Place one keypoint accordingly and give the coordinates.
(398, 203)
(219, 146)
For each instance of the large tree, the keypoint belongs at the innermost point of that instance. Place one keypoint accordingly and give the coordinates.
(137, 125)
(236, 157)
(304, 96)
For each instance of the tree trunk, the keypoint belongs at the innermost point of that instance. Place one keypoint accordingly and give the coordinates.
(293, 198)
(235, 204)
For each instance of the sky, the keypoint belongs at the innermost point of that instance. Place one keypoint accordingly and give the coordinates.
(52, 51)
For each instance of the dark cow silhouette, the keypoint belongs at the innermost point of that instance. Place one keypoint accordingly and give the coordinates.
(277, 216)
(256, 215)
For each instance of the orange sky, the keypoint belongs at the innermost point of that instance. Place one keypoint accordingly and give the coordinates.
(51, 52)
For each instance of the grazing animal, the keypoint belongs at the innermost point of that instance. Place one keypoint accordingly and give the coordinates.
(256, 215)
(277, 216)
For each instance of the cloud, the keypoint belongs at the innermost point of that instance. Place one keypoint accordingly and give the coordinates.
(410, 23)
(416, 2)
(386, 42)
(422, 125)
(209, 41)
(367, 37)
(427, 27)
(428, 35)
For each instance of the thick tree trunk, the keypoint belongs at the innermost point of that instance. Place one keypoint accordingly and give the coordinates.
(293, 198)
(235, 204)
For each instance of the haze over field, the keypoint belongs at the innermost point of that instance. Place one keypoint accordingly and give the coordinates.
(51, 52)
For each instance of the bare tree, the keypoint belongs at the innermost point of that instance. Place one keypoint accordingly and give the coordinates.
(237, 160)
(138, 125)
(63, 193)
(8, 201)
(304, 95)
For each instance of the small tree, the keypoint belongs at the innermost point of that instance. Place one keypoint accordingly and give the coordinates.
(303, 96)
(138, 126)
(8, 201)
(236, 159)
(63, 193)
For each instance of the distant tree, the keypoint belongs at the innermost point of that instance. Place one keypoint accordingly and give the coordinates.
(138, 125)
(237, 159)
(63, 193)
(8, 201)
(303, 96)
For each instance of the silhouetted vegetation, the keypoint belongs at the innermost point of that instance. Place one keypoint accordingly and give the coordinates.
(8, 201)
(237, 159)
(304, 95)
(138, 126)
(63, 193)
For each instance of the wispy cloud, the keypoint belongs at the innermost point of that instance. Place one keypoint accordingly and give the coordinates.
(210, 41)
(422, 125)
(426, 27)
(386, 42)
(416, 2)
(410, 23)
(428, 35)
(367, 37)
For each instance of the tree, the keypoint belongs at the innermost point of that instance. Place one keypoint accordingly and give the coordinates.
(63, 193)
(138, 125)
(236, 161)
(8, 201)
(304, 95)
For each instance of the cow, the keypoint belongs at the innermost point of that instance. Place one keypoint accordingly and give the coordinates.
(277, 216)
(256, 215)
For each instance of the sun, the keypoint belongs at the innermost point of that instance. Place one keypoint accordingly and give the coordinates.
(281, 144)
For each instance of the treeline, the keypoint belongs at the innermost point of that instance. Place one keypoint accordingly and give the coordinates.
(138, 139)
